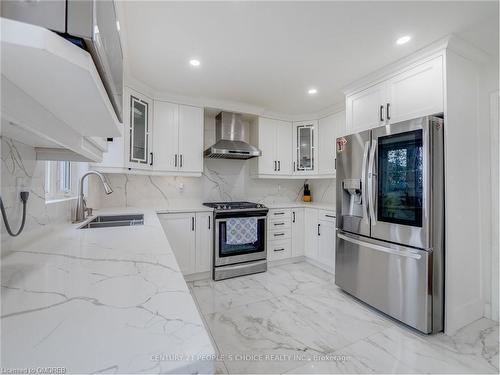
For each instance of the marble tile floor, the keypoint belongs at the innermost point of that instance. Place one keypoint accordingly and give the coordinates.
(293, 319)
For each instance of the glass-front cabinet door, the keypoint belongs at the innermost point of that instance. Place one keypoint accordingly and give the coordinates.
(138, 135)
(305, 147)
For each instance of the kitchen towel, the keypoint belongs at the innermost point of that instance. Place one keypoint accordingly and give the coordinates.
(241, 230)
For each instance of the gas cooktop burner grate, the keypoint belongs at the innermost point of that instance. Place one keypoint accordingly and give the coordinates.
(233, 205)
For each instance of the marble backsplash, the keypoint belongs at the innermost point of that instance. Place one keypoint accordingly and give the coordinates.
(21, 171)
(222, 180)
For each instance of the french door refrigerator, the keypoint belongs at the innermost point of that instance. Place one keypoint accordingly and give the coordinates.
(390, 220)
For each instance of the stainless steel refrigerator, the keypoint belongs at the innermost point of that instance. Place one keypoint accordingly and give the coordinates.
(390, 220)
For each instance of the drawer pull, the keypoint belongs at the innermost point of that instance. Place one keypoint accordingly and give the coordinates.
(276, 224)
(333, 217)
(278, 234)
(281, 249)
(279, 213)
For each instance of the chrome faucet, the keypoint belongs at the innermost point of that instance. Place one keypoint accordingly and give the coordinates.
(81, 204)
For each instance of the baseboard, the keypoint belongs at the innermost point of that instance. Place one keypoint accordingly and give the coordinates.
(320, 265)
(460, 316)
(280, 262)
(198, 276)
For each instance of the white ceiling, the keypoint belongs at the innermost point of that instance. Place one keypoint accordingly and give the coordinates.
(268, 54)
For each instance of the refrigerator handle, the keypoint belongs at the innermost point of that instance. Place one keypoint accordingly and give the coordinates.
(364, 194)
(371, 180)
(402, 253)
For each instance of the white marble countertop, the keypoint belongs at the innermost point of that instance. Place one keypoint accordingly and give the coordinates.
(101, 300)
(317, 205)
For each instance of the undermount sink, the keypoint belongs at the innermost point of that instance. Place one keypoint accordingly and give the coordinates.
(105, 221)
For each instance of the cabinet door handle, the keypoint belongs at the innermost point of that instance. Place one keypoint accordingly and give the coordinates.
(294, 166)
(387, 111)
(319, 234)
(209, 222)
(279, 234)
(279, 165)
(333, 217)
(180, 164)
(151, 155)
(279, 213)
(175, 160)
(192, 223)
(280, 249)
(381, 113)
(293, 219)
(275, 165)
(275, 224)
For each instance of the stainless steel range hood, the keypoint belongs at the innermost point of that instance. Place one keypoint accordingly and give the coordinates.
(230, 139)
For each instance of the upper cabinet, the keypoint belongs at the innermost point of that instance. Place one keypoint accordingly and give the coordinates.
(52, 95)
(177, 138)
(274, 139)
(416, 92)
(138, 131)
(305, 147)
(329, 129)
(412, 92)
(160, 138)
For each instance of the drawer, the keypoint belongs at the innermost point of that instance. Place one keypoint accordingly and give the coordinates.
(279, 249)
(279, 234)
(280, 223)
(284, 213)
(327, 216)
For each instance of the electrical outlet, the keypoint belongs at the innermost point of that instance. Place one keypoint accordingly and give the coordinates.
(21, 185)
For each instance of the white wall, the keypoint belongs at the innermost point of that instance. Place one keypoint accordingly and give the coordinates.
(21, 171)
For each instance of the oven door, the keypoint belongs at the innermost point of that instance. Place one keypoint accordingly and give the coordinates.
(399, 183)
(236, 244)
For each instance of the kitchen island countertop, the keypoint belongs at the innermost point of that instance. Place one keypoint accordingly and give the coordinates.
(101, 300)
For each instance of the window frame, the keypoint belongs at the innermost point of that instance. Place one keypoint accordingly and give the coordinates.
(60, 180)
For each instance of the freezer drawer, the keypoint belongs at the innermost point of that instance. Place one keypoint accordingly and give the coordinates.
(394, 279)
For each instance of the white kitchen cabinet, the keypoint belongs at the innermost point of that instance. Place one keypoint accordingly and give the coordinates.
(412, 92)
(364, 109)
(305, 147)
(138, 145)
(297, 232)
(190, 139)
(204, 242)
(326, 243)
(166, 136)
(274, 139)
(177, 138)
(159, 138)
(311, 233)
(416, 92)
(329, 128)
(180, 231)
(191, 237)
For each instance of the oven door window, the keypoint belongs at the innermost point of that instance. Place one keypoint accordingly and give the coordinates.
(234, 240)
(400, 178)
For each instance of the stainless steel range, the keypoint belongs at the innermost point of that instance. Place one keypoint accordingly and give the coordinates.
(239, 239)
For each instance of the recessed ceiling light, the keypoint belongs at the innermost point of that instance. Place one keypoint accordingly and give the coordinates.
(194, 62)
(312, 91)
(403, 40)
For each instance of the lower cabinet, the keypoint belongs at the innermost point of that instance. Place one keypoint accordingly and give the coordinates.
(320, 237)
(191, 236)
(204, 242)
(297, 232)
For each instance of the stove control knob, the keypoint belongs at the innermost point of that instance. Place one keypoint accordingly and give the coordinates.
(218, 207)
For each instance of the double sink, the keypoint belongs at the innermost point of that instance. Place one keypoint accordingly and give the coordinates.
(106, 221)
